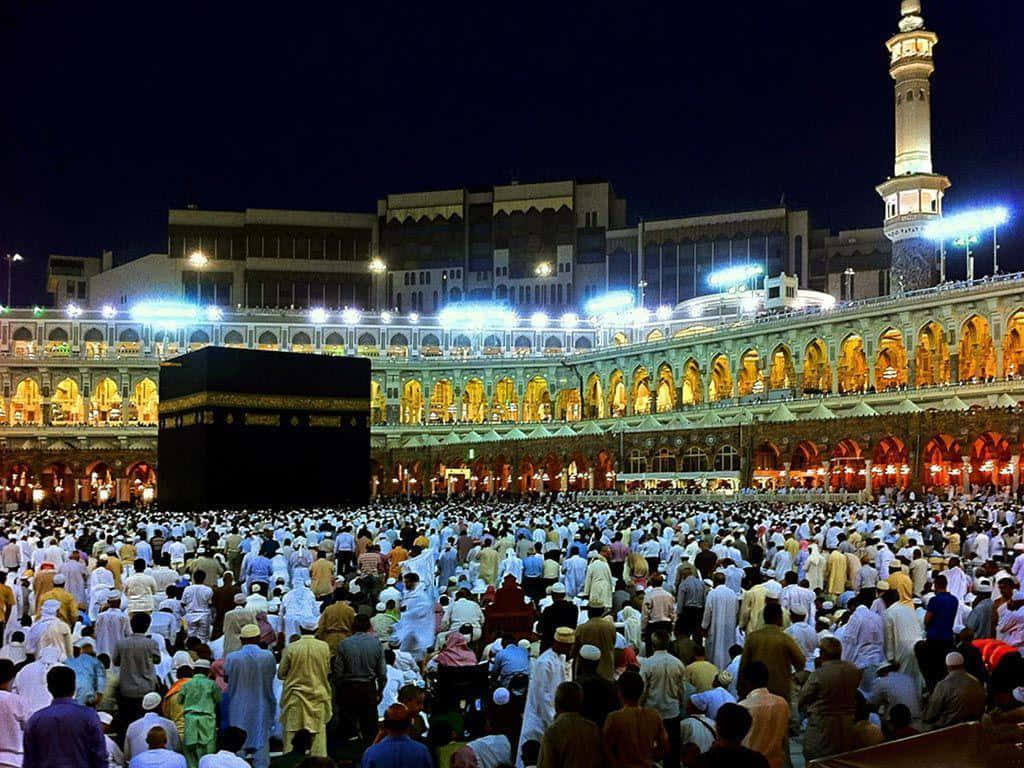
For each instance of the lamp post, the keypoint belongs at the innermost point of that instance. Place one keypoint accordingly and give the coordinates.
(377, 269)
(198, 260)
(848, 274)
(11, 258)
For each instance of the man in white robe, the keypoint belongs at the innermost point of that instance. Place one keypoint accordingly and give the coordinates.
(720, 615)
(112, 626)
(903, 630)
(550, 670)
(958, 583)
(599, 586)
(415, 629)
(575, 569)
(296, 605)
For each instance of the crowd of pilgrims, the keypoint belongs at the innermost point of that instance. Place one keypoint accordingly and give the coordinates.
(480, 634)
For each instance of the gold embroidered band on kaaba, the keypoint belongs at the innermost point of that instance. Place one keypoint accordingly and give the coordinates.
(266, 402)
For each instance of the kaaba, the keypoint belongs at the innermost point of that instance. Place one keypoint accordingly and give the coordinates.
(248, 428)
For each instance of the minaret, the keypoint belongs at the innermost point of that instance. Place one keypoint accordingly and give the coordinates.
(913, 196)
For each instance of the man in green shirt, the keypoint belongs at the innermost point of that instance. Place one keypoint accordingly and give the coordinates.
(199, 698)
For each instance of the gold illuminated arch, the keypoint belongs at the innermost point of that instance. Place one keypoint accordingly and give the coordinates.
(931, 361)
(412, 402)
(751, 382)
(378, 404)
(691, 387)
(666, 392)
(474, 402)
(782, 375)
(505, 406)
(977, 353)
(442, 402)
(1013, 345)
(567, 405)
(68, 405)
(817, 371)
(655, 335)
(891, 362)
(620, 339)
(853, 365)
(594, 406)
(616, 394)
(641, 390)
(537, 400)
(720, 382)
(106, 403)
(145, 402)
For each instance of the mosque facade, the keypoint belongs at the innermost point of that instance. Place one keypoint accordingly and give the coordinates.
(918, 386)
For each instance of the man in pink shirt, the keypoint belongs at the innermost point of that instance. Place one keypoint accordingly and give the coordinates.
(13, 714)
(769, 733)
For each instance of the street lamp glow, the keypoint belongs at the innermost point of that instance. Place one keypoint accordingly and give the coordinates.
(543, 269)
(164, 314)
(377, 265)
(967, 223)
(539, 320)
(385, 317)
(730, 277)
(614, 301)
(214, 314)
(476, 315)
(640, 316)
(664, 312)
(570, 320)
(108, 312)
(198, 259)
(318, 315)
(74, 310)
(350, 316)
(414, 317)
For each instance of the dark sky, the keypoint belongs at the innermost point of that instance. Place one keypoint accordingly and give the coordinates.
(114, 112)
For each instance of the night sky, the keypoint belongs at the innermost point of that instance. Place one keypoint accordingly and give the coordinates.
(113, 113)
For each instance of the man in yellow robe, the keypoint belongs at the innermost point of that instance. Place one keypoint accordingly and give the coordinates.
(306, 699)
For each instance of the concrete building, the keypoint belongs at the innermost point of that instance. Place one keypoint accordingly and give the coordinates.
(67, 277)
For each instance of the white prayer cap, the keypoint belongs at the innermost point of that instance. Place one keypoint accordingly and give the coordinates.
(558, 588)
(181, 659)
(392, 581)
(524, 644)
(84, 641)
(983, 585)
(590, 652)
(239, 599)
(772, 589)
(309, 624)
(151, 700)
(58, 579)
(954, 659)
(501, 696)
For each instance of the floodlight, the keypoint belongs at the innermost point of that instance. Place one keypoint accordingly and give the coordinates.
(539, 320)
(614, 301)
(350, 316)
(109, 312)
(318, 315)
(214, 314)
(74, 310)
(664, 312)
(967, 223)
(729, 277)
(570, 320)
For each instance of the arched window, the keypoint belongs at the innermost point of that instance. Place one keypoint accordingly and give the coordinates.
(727, 460)
(233, 338)
(695, 460)
(910, 96)
(637, 462)
(664, 461)
(58, 335)
(128, 336)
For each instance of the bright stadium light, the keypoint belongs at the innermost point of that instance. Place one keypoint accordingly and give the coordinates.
(214, 314)
(539, 320)
(963, 229)
(730, 277)
(640, 316)
(570, 320)
(476, 315)
(414, 317)
(74, 310)
(385, 317)
(664, 312)
(164, 314)
(609, 303)
(108, 312)
(350, 316)
(318, 315)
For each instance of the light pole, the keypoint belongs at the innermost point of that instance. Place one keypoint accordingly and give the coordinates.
(198, 260)
(11, 258)
(848, 274)
(966, 241)
(378, 268)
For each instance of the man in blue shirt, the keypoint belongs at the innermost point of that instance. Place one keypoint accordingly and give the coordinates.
(64, 733)
(533, 572)
(90, 676)
(938, 622)
(397, 750)
(511, 660)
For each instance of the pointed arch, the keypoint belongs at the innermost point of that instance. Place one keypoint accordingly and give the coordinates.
(931, 360)
(817, 376)
(412, 402)
(655, 335)
(567, 405)
(852, 370)
(891, 361)
(442, 402)
(665, 395)
(616, 394)
(720, 382)
(536, 400)
(977, 360)
(751, 381)
(889, 463)
(145, 402)
(105, 403)
(782, 374)
(68, 404)
(594, 403)
(505, 405)
(1013, 346)
(641, 390)
(474, 402)
(941, 461)
(691, 388)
